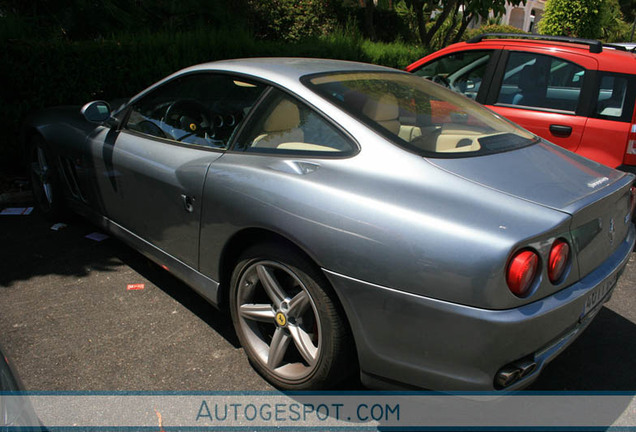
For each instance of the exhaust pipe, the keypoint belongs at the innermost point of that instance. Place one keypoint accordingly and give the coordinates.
(513, 372)
(526, 367)
(507, 376)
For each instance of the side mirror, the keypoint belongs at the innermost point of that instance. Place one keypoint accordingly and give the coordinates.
(96, 111)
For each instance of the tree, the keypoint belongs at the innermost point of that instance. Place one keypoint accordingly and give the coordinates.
(89, 19)
(290, 20)
(423, 10)
(482, 8)
(448, 7)
(628, 8)
(613, 27)
(582, 18)
(369, 28)
(457, 14)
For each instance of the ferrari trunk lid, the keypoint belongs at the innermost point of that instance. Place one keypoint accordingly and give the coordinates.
(599, 228)
(597, 197)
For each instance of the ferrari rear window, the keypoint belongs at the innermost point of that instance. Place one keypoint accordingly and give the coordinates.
(418, 115)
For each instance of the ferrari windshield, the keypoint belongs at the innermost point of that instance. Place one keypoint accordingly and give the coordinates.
(423, 117)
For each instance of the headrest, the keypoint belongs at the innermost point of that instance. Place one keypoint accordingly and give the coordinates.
(284, 117)
(385, 108)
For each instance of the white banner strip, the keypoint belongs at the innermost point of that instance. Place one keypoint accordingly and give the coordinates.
(331, 410)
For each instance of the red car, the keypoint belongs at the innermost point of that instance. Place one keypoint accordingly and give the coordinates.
(576, 93)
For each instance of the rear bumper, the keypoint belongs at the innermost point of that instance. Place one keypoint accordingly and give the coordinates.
(417, 341)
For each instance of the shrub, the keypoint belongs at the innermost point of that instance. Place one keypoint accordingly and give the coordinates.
(397, 55)
(290, 20)
(614, 28)
(492, 28)
(580, 18)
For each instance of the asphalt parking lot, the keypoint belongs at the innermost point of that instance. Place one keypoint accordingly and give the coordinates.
(69, 322)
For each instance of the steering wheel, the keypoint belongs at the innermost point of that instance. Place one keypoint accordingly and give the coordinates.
(150, 128)
(441, 79)
(189, 116)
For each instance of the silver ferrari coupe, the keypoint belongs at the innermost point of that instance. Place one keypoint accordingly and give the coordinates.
(352, 218)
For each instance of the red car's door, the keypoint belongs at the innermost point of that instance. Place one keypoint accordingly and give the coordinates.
(607, 132)
(565, 130)
(545, 92)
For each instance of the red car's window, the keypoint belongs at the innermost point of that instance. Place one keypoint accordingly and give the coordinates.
(541, 81)
(615, 98)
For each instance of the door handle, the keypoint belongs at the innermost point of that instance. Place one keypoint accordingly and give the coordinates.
(188, 203)
(561, 131)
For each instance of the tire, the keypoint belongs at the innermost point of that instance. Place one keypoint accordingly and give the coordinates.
(45, 180)
(288, 321)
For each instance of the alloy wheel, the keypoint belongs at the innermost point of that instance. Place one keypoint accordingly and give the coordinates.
(279, 320)
(41, 179)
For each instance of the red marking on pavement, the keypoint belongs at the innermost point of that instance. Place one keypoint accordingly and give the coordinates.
(132, 287)
(160, 420)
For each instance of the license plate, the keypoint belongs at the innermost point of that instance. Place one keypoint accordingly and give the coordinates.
(596, 298)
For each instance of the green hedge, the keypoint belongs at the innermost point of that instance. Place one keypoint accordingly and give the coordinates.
(492, 28)
(37, 74)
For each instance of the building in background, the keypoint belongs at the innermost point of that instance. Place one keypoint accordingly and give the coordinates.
(525, 17)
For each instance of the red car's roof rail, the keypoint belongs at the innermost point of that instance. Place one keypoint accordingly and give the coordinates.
(596, 46)
(618, 47)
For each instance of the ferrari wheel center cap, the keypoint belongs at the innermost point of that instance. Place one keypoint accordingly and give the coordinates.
(281, 319)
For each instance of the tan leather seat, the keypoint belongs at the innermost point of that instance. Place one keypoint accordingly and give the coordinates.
(281, 126)
(454, 138)
(385, 111)
(409, 133)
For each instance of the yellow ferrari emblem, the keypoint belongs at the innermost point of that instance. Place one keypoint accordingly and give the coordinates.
(281, 319)
(193, 127)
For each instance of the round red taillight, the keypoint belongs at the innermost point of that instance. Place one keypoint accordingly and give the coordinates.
(558, 262)
(521, 272)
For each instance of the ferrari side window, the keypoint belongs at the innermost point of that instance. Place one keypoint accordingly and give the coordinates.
(198, 109)
(288, 126)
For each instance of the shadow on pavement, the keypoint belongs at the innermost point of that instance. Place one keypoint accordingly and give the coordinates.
(219, 320)
(602, 359)
(30, 249)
